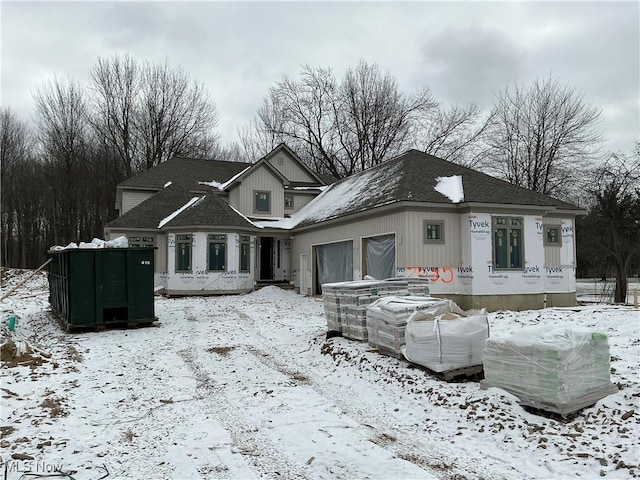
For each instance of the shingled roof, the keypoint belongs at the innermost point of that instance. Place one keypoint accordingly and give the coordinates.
(413, 177)
(211, 209)
(186, 172)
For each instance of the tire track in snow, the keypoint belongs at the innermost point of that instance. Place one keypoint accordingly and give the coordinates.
(439, 463)
(258, 451)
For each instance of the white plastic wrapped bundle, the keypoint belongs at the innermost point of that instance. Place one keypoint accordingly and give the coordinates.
(387, 318)
(446, 342)
(556, 369)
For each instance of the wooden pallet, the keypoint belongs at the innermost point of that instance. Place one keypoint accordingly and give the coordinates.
(474, 372)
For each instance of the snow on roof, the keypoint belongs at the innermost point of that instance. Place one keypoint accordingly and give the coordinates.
(222, 186)
(255, 224)
(320, 187)
(451, 187)
(190, 203)
(214, 184)
(349, 195)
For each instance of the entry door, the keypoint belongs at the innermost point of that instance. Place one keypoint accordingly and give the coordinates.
(266, 258)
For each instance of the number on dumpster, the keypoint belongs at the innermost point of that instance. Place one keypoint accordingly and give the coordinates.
(145, 262)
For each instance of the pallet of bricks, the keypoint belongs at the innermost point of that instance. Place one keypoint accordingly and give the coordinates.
(387, 319)
(557, 369)
(345, 304)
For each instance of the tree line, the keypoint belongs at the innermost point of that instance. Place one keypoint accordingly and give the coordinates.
(59, 175)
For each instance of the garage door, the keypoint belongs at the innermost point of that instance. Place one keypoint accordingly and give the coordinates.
(334, 263)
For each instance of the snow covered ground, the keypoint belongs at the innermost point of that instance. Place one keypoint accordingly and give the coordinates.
(249, 387)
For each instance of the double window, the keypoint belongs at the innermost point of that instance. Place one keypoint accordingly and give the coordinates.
(183, 253)
(217, 253)
(508, 243)
(141, 242)
(262, 202)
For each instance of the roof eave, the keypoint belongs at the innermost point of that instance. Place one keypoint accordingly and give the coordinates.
(208, 227)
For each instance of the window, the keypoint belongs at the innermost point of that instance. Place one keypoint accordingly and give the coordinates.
(183, 253)
(142, 242)
(245, 253)
(508, 244)
(217, 253)
(552, 235)
(434, 231)
(288, 201)
(262, 202)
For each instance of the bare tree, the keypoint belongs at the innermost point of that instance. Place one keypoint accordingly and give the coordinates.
(260, 136)
(455, 134)
(541, 134)
(614, 219)
(175, 115)
(15, 155)
(376, 119)
(62, 134)
(303, 113)
(115, 87)
(339, 128)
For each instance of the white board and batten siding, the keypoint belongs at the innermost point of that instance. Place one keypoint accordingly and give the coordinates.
(262, 180)
(290, 168)
(133, 198)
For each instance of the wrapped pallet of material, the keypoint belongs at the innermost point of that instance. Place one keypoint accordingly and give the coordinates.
(345, 304)
(558, 369)
(446, 342)
(387, 319)
(417, 287)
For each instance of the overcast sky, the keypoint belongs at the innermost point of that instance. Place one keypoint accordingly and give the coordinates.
(463, 51)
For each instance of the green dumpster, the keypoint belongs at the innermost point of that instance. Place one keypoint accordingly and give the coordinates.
(95, 287)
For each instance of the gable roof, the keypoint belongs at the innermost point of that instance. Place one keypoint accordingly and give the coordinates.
(186, 172)
(153, 213)
(248, 171)
(283, 146)
(412, 177)
(264, 161)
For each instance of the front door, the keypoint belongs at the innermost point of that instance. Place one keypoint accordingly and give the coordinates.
(266, 258)
(274, 259)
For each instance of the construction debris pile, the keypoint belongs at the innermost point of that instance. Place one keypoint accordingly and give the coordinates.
(558, 370)
(120, 242)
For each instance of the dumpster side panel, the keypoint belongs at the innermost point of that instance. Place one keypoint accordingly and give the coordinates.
(82, 285)
(140, 281)
(114, 277)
